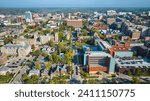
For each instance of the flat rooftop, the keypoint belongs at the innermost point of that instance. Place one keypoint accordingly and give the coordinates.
(97, 53)
(132, 63)
(118, 48)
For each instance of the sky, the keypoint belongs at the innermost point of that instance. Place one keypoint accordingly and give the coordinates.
(74, 3)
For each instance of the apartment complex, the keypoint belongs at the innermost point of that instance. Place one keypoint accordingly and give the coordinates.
(21, 50)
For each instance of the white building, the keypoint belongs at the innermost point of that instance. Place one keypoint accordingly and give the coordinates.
(34, 72)
(21, 50)
(111, 13)
(44, 39)
(69, 16)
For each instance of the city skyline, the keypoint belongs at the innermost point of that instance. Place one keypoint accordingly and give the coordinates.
(75, 3)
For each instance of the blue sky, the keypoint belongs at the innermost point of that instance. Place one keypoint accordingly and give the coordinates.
(74, 3)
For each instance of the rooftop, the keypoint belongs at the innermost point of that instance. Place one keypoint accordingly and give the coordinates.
(118, 48)
(97, 53)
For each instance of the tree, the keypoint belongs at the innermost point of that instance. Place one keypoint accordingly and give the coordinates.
(8, 40)
(129, 73)
(36, 53)
(61, 46)
(69, 56)
(51, 43)
(135, 80)
(113, 79)
(34, 79)
(55, 58)
(45, 54)
(116, 37)
(37, 65)
(50, 58)
(138, 72)
(84, 32)
(85, 22)
(48, 65)
(60, 35)
(69, 69)
(25, 78)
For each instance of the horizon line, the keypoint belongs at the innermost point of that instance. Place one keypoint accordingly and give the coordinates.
(74, 7)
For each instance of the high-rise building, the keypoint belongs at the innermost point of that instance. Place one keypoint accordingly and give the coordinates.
(62, 15)
(28, 16)
(69, 16)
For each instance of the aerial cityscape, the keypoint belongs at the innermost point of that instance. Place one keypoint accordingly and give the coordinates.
(74, 45)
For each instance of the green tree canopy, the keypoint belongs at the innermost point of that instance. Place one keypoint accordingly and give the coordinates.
(37, 65)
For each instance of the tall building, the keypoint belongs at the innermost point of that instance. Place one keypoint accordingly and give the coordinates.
(62, 15)
(99, 61)
(69, 16)
(28, 16)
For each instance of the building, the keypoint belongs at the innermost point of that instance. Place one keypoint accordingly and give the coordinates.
(55, 70)
(67, 34)
(99, 61)
(28, 16)
(52, 24)
(125, 38)
(3, 33)
(111, 21)
(142, 51)
(48, 49)
(22, 39)
(1, 42)
(54, 37)
(69, 16)
(100, 26)
(3, 58)
(34, 72)
(125, 64)
(146, 33)
(149, 13)
(134, 34)
(44, 39)
(75, 23)
(120, 51)
(4, 70)
(21, 50)
(102, 45)
(19, 19)
(111, 13)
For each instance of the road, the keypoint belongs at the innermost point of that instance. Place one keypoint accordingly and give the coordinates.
(17, 78)
(76, 69)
